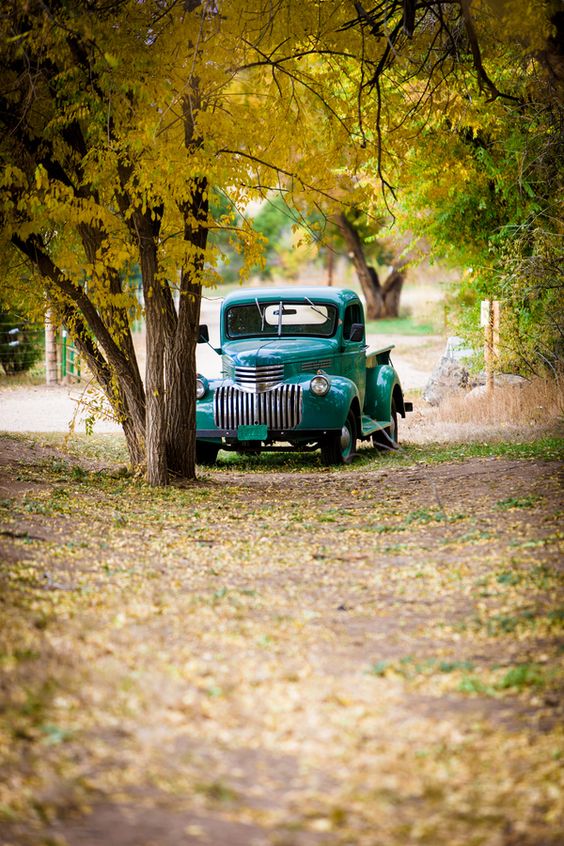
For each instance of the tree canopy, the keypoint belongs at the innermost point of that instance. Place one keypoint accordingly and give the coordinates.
(470, 131)
(122, 121)
(119, 119)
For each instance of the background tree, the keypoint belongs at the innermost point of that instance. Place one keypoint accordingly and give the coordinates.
(382, 298)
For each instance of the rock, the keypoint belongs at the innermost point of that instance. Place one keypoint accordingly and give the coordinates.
(511, 379)
(450, 374)
(501, 380)
(448, 377)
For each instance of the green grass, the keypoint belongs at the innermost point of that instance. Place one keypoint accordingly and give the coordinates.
(34, 376)
(517, 502)
(110, 449)
(489, 682)
(406, 325)
(548, 449)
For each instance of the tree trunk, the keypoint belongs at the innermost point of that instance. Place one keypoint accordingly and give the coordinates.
(381, 300)
(181, 410)
(330, 265)
(367, 276)
(155, 429)
(115, 316)
(391, 291)
(181, 396)
(118, 376)
(181, 365)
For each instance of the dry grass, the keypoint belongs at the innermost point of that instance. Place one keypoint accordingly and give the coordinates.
(539, 401)
(509, 412)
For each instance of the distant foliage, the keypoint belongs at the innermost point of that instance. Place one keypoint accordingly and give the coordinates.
(483, 182)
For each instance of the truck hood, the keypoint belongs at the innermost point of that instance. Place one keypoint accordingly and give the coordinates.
(249, 353)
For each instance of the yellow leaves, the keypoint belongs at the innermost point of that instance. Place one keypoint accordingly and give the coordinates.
(112, 60)
(524, 22)
(233, 677)
(41, 178)
(12, 177)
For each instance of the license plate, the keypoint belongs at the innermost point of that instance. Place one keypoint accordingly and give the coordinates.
(252, 433)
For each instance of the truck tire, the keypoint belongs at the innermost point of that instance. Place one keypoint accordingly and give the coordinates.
(206, 453)
(337, 447)
(388, 438)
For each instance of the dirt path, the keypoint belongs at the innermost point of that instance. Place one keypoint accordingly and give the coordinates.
(357, 656)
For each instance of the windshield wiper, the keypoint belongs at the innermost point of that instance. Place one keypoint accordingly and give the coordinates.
(262, 313)
(314, 307)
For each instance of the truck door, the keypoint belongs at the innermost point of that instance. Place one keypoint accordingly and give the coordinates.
(354, 355)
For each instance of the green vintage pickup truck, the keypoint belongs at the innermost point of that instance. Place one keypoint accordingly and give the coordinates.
(297, 375)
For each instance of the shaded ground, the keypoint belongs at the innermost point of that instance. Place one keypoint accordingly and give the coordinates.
(279, 656)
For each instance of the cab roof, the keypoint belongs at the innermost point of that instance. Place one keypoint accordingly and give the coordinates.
(318, 293)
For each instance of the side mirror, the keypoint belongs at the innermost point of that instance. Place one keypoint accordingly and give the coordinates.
(357, 332)
(203, 334)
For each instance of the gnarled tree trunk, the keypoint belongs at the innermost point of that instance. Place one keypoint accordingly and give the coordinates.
(156, 304)
(181, 390)
(382, 300)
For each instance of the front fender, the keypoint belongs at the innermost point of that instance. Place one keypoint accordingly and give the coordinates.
(330, 411)
(204, 408)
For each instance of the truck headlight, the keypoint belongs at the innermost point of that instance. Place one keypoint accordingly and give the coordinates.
(201, 387)
(319, 386)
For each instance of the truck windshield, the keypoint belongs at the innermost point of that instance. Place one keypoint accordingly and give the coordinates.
(282, 318)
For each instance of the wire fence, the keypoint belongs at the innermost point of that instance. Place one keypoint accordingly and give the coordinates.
(21, 344)
(45, 352)
(23, 349)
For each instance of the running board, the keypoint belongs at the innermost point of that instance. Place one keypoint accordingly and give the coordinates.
(369, 426)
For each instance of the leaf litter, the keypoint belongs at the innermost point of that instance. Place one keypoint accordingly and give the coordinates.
(367, 656)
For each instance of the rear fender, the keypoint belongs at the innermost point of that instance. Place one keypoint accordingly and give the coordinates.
(382, 385)
(401, 406)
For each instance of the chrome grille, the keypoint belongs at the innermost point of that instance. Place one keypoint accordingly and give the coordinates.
(280, 408)
(259, 378)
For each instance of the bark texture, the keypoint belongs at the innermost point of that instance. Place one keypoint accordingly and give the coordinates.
(181, 355)
(156, 305)
(181, 411)
(382, 300)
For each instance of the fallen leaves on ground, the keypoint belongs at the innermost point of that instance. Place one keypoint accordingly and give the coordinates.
(359, 656)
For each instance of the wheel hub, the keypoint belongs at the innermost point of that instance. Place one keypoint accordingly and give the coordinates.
(345, 440)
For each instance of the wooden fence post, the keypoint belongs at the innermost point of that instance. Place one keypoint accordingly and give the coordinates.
(51, 374)
(489, 319)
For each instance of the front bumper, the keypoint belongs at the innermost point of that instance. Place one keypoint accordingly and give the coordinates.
(292, 435)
